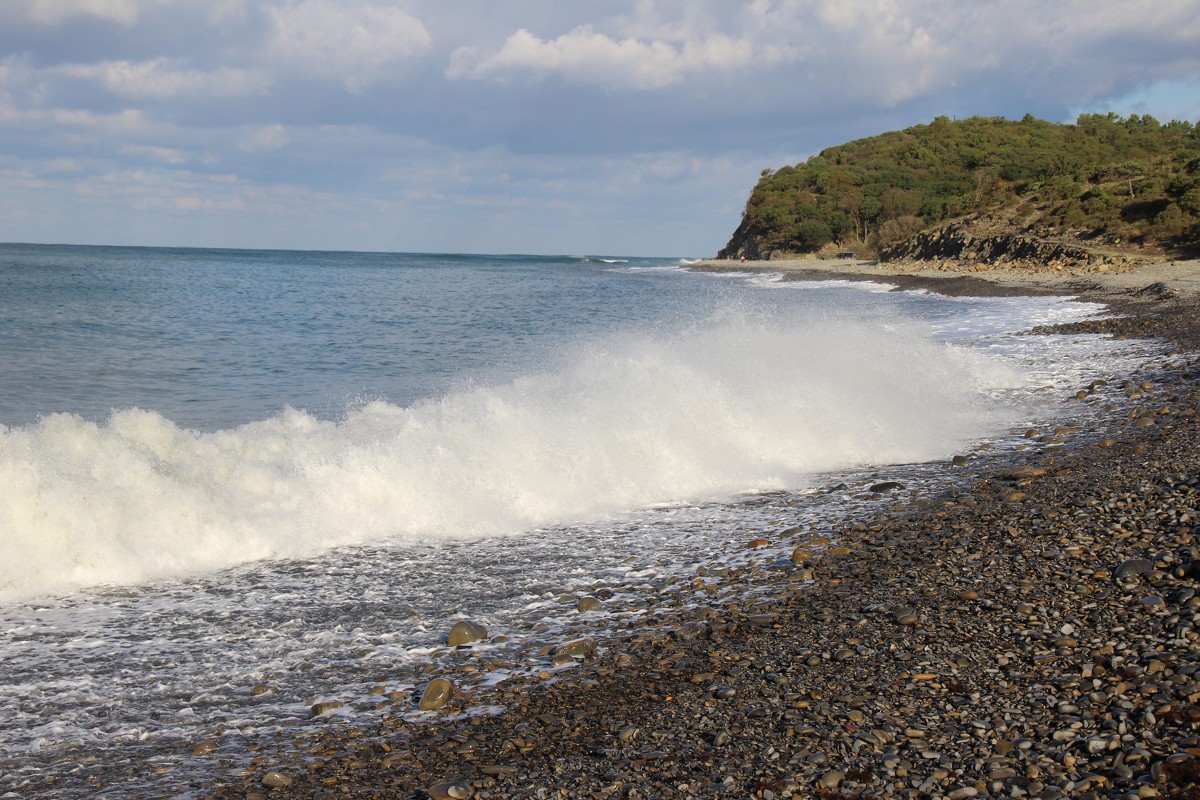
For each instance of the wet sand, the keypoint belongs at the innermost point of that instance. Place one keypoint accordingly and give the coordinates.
(1032, 631)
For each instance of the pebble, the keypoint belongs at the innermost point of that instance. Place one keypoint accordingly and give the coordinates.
(318, 709)
(1023, 473)
(466, 632)
(450, 790)
(498, 770)
(588, 604)
(276, 780)
(437, 694)
(577, 648)
(801, 556)
(832, 779)
(1133, 567)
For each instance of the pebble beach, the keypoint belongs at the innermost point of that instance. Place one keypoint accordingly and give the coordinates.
(1029, 631)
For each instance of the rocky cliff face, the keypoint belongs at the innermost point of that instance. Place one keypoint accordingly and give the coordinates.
(747, 242)
(963, 242)
(978, 240)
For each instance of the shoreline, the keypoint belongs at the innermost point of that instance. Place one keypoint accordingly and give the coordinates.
(1179, 278)
(1031, 631)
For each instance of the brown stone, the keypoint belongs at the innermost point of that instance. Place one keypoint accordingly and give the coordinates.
(437, 694)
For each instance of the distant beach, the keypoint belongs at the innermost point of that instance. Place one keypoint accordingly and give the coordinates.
(1180, 277)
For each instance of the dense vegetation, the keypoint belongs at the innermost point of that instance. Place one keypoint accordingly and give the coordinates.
(1121, 180)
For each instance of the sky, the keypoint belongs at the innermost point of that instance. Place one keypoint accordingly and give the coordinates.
(601, 127)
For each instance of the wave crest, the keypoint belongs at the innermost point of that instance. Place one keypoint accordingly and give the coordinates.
(633, 420)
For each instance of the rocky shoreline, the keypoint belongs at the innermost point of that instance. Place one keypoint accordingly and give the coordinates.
(1032, 631)
(1130, 280)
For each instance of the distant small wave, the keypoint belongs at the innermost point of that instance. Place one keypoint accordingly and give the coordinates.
(600, 260)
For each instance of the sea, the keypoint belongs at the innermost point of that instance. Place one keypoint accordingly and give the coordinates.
(235, 483)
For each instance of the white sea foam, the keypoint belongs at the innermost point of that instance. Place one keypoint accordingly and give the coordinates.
(619, 424)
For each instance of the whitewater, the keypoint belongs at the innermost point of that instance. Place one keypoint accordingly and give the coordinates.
(228, 468)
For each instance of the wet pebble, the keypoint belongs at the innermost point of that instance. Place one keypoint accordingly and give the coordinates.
(466, 632)
(437, 694)
(276, 780)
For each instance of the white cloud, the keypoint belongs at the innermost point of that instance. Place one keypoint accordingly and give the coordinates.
(54, 12)
(166, 155)
(185, 191)
(685, 82)
(119, 125)
(125, 13)
(890, 51)
(356, 43)
(263, 138)
(860, 52)
(588, 56)
(160, 79)
(672, 166)
(64, 165)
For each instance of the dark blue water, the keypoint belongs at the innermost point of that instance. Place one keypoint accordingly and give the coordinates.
(216, 338)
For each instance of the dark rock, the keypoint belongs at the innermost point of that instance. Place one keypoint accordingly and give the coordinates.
(466, 632)
(317, 709)
(955, 241)
(437, 694)
(1156, 289)
(205, 747)
(276, 780)
(588, 604)
(578, 648)
(1133, 567)
(450, 790)
(498, 770)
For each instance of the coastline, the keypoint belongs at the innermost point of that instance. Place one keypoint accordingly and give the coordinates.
(1180, 277)
(1027, 632)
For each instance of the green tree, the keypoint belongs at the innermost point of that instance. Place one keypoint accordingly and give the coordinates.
(1103, 174)
(815, 234)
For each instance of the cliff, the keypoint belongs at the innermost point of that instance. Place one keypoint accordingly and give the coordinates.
(986, 189)
(1000, 242)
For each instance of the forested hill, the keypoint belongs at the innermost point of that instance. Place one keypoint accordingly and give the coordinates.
(1105, 181)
